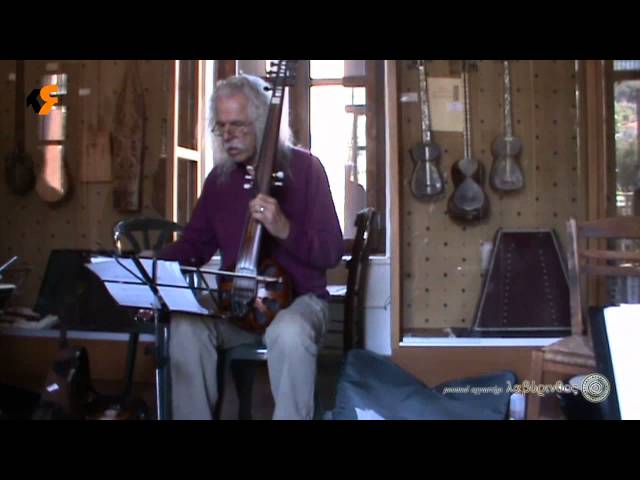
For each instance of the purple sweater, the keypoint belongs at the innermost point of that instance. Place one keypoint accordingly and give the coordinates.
(315, 240)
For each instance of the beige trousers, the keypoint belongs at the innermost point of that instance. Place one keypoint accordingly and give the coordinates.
(292, 339)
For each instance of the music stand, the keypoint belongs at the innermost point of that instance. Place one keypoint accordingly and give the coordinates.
(615, 333)
(130, 284)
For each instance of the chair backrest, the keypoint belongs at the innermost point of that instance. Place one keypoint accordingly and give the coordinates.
(358, 269)
(593, 252)
(145, 233)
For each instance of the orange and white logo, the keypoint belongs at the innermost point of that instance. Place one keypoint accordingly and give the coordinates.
(41, 99)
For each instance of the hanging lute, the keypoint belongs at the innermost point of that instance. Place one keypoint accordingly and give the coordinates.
(426, 179)
(468, 202)
(19, 171)
(506, 174)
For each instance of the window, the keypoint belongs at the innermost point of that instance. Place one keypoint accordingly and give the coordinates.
(337, 111)
(191, 158)
(626, 98)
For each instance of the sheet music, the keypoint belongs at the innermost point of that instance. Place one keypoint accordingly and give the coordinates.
(623, 332)
(130, 295)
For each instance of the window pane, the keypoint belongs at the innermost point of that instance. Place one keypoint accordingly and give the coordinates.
(326, 69)
(187, 188)
(342, 154)
(622, 65)
(627, 100)
(187, 98)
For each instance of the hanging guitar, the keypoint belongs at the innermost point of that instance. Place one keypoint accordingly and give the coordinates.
(506, 174)
(253, 296)
(468, 202)
(426, 179)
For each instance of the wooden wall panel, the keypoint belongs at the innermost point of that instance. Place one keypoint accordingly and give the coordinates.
(31, 228)
(441, 273)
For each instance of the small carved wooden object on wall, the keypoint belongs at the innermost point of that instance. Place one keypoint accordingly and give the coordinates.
(96, 160)
(128, 143)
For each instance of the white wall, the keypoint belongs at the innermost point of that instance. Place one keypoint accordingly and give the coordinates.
(377, 326)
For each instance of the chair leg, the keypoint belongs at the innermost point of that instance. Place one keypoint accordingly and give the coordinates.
(131, 363)
(244, 373)
(534, 401)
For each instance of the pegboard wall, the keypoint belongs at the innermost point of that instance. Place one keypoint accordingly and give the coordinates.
(31, 228)
(441, 274)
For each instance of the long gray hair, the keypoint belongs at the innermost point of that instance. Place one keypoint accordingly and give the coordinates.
(256, 91)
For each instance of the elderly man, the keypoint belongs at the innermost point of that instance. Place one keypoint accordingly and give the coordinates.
(305, 239)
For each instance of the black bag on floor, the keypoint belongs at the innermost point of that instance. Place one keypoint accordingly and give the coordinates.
(371, 386)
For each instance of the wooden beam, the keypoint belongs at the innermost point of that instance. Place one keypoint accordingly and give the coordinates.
(299, 105)
(392, 154)
(225, 69)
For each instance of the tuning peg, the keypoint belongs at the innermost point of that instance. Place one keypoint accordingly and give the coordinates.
(247, 186)
(279, 175)
(277, 184)
(251, 169)
(248, 177)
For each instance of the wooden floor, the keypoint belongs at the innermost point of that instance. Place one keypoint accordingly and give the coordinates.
(328, 370)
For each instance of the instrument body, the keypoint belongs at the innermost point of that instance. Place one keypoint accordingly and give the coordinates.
(468, 202)
(244, 298)
(426, 179)
(506, 173)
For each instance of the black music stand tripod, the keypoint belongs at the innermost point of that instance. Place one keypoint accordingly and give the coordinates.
(162, 317)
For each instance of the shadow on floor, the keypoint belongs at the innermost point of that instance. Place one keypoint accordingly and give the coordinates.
(329, 365)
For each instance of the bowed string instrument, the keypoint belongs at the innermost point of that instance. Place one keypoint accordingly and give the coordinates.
(259, 289)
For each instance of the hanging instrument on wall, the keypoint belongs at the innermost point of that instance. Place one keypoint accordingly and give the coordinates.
(468, 202)
(53, 184)
(426, 179)
(246, 298)
(19, 171)
(127, 142)
(506, 174)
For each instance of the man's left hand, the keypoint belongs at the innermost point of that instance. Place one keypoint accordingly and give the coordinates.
(267, 211)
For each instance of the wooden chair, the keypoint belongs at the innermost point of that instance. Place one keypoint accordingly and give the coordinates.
(241, 361)
(574, 355)
(140, 231)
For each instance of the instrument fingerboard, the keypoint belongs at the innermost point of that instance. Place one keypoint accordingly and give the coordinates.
(424, 103)
(508, 120)
(467, 111)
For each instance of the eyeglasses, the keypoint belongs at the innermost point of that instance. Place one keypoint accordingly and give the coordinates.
(234, 128)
